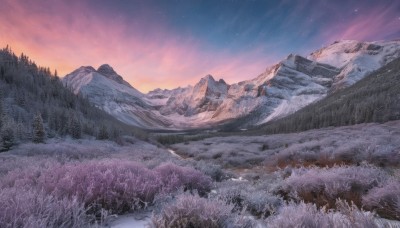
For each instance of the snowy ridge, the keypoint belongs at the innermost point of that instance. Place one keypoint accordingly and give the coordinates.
(114, 96)
(281, 90)
(356, 59)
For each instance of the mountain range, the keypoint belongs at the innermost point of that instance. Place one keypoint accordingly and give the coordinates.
(280, 90)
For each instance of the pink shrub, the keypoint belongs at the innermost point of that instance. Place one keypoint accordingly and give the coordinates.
(115, 185)
(174, 177)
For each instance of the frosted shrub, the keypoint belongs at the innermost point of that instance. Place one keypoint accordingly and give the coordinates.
(261, 203)
(115, 185)
(308, 215)
(174, 177)
(324, 185)
(258, 202)
(384, 199)
(33, 209)
(194, 212)
(212, 170)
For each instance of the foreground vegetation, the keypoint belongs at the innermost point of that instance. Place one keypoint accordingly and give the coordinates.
(322, 178)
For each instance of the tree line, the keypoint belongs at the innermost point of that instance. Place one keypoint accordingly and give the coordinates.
(376, 98)
(34, 105)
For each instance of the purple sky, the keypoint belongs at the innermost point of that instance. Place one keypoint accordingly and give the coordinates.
(170, 43)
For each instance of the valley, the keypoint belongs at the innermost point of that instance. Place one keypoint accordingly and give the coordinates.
(311, 142)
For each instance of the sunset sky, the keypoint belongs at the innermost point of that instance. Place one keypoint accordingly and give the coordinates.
(171, 43)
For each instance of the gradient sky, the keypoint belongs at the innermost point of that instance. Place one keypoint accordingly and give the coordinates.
(171, 43)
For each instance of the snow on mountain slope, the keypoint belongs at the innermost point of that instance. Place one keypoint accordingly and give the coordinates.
(115, 96)
(108, 71)
(281, 90)
(210, 102)
(356, 59)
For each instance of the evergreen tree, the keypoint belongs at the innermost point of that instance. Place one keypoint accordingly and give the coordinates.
(103, 133)
(38, 129)
(7, 137)
(75, 129)
(7, 133)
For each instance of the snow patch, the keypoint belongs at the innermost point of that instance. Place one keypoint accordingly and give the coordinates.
(290, 106)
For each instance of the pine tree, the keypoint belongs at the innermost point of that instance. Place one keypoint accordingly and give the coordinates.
(103, 133)
(38, 129)
(7, 135)
(75, 128)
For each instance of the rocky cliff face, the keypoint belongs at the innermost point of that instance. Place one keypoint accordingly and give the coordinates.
(281, 90)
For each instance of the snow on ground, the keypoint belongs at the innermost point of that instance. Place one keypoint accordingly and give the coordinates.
(130, 221)
(174, 153)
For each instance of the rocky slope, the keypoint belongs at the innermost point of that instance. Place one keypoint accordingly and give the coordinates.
(281, 90)
(108, 91)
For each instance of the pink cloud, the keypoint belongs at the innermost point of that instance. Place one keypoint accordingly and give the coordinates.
(66, 35)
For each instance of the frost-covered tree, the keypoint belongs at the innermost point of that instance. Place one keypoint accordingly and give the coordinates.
(103, 133)
(75, 129)
(26, 88)
(7, 136)
(38, 129)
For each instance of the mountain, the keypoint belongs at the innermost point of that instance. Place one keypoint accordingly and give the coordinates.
(375, 98)
(356, 59)
(108, 91)
(107, 71)
(281, 90)
(29, 93)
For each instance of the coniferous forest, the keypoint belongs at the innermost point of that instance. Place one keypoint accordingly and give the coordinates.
(376, 98)
(34, 105)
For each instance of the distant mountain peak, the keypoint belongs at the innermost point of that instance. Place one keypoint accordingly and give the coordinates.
(208, 77)
(86, 68)
(106, 69)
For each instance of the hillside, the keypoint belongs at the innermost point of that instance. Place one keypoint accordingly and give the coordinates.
(376, 98)
(280, 90)
(28, 91)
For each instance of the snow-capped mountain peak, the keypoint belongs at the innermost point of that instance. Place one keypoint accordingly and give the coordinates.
(356, 59)
(281, 89)
(207, 86)
(109, 72)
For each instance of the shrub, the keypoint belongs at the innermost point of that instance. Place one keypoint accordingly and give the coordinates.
(114, 185)
(258, 201)
(324, 185)
(195, 212)
(308, 215)
(384, 199)
(33, 209)
(174, 177)
(211, 170)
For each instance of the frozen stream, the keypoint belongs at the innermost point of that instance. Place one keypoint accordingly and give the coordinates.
(130, 221)
(171, 151)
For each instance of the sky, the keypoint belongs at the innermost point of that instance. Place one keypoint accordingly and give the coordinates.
(170, 43)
